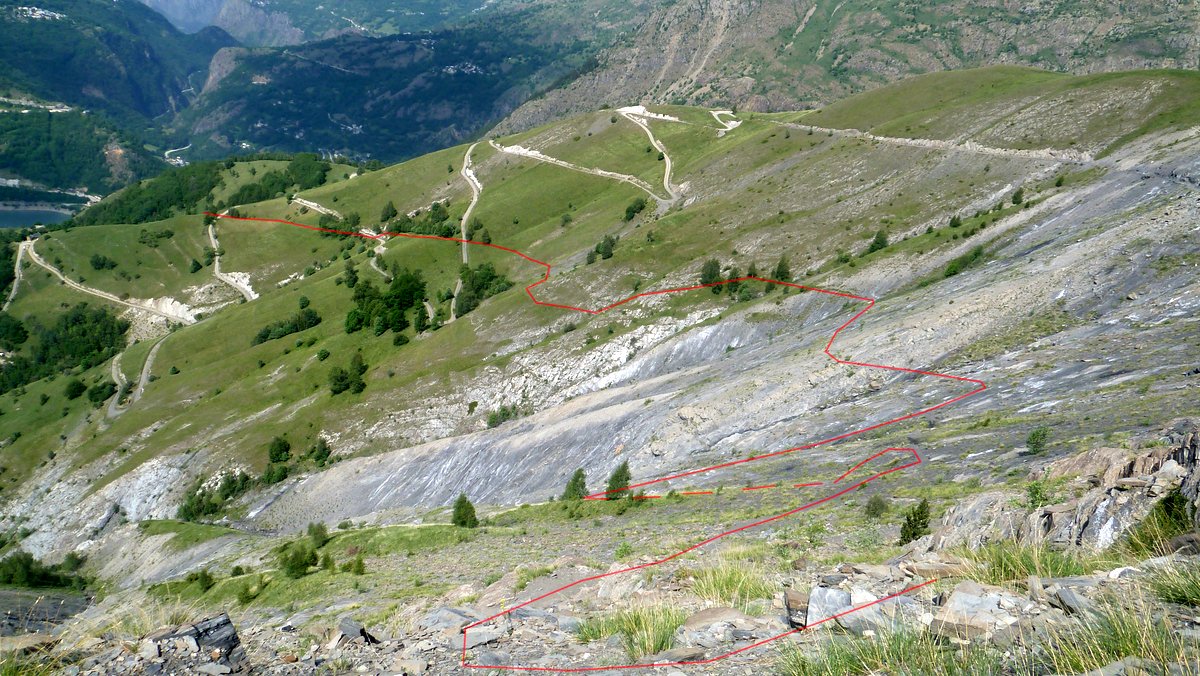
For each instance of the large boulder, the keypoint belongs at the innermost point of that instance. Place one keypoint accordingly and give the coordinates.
(824, 604)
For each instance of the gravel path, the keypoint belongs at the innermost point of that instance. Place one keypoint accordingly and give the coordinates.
(179, 314)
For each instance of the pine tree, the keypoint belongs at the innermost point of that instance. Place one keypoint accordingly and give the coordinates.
(389, 212)
(916, 522)
(710, 273)
(619, 481)
(879, 243)
(421, 322)
(319, 534)
(577, 487)
(783, 272)
(358, 567)
(327, 563)
(464, 513)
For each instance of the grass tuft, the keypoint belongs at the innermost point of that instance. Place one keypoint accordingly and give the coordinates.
(1116, 631)
(643, 631)
(900, 652)
(1178, 585)
(527, 575)
(732, 582)
(1008, 561)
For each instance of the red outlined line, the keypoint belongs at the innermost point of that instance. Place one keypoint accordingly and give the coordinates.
(980, 386)
(807, 485)
(916, 461)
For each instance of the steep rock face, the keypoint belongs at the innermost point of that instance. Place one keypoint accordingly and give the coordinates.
(1126, 485)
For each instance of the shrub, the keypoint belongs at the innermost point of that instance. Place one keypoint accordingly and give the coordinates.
(916, 522)
(74, 389)
(877, 506)
(962, 262)
(245, 596)
(322, 354)
(274, 473)
(280, 450)
(879, 243)
(99, 393)
(606, 246)
(21, 569)
(503, 415)
(635, 207)
(301, 321)
(195, 266)
(464, 513)
(99, 262)
(1036, 440)
(203, 579)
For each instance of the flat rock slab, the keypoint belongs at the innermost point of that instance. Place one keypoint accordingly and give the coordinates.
(710, 616)
(975, 611)
(445, 617)
(481, 635)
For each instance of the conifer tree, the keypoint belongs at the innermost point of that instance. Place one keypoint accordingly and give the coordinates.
(577, 487)
(619, 481)
(464, 513)
(916, 522)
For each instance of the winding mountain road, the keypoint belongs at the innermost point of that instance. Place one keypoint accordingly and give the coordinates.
(638, 115)
(468, 174)
(1053, 154)
(12, 293)
(243, 288)
(144, 378)
(114, 403)
(521, 151)
(166, 310)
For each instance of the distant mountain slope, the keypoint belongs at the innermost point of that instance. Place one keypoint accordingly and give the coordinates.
(289, 22)
(118, 56)
(70, 150)
(787, 54)
(118, 64)
(388, 98)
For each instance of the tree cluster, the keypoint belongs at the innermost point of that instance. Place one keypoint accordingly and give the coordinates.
(82, 337)
(383, 311)
(21, 569)
(301, 321)
(479, 283)
(175, 190)
(341, 380)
